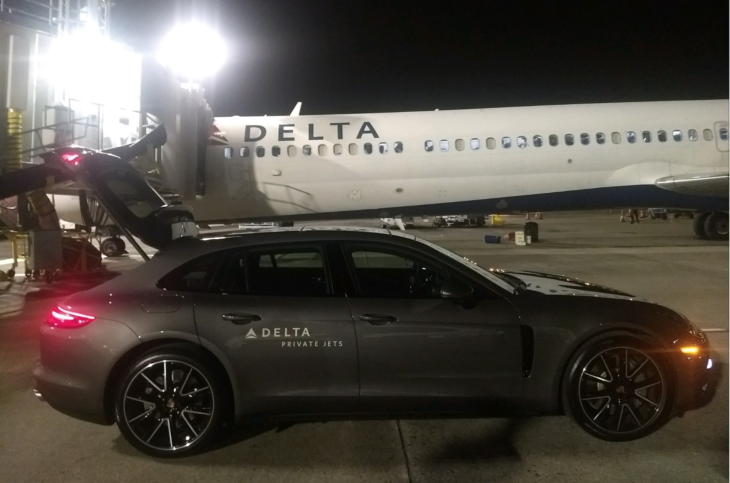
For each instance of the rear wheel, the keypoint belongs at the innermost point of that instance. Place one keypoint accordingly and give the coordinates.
(168, 404)
(619, 387)
(698, 224)
(716, 226)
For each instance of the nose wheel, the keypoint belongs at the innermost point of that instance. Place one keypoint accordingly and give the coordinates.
(113, 247)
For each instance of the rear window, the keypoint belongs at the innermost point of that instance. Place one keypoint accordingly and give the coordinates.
(193, 276)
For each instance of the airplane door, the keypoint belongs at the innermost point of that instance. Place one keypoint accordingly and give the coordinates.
(721, 135)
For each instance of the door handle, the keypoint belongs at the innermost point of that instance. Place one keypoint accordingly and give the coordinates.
(378, 319)
(241, 319)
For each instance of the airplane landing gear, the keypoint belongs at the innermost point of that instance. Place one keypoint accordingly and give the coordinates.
(711, 225)
(113, 247)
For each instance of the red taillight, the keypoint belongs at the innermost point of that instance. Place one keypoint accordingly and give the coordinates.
(60, 317)
(71, 158)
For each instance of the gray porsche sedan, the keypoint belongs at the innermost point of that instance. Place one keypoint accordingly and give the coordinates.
(322, 323)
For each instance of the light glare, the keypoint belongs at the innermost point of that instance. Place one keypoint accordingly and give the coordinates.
(192, 51)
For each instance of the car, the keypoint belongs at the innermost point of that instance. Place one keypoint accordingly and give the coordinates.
(663, 212)
(315, 323)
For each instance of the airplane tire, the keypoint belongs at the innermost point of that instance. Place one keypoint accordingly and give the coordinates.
(112, 247)
(716, 226)
(698, 224)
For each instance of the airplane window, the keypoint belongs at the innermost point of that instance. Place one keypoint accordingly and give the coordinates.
(475, 144)
(631, 136)
(244, 152)
(307, 150)
(646, 136)
(662, 136)
(276, 151)
(383, 148)
(428, 145)
(491, 143)
(677, 135)
(291, 151)
(537, 140)
(723, 134)
(554, 140)
(692, 135)
(352, 148)
(228, 153)
(260, 151)
(337, 149)
(368, 148)
(585, 139)
(569, 139)
(398, 147)
(600, 138)
(521, 141)
(506, 142)
(459, 144)
(322, 150)
(615, 138)
(444, 145)
(707, 134)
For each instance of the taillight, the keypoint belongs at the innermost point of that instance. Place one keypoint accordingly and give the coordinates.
(71, 158)
(60, 317)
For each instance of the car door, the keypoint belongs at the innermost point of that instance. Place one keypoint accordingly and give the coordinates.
(418, 350)
(274, 316)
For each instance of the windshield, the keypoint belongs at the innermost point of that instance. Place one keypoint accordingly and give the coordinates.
(497, 280)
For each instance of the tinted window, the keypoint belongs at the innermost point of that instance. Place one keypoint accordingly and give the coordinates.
(600, 138)
(193, 276)
(569, 139)
(506, 142)
(260, 151)
(521, 142)
(244, 152)
(307, 150)
(631, 136)
(383, 148)
(646, 136)
(553, 140)
(368, 148)
(285, 271)
(385, 273)
(398, 147)
(228, 153)
(723, 134)
(585, 138)
(428, 146)
(662, 136)
(677, 135)
(276, 151)
(692, 135)
(537, 141)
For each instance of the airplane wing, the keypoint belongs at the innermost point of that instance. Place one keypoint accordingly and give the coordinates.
(714, 185)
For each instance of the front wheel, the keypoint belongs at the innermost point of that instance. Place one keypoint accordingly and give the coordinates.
(619, 388)
(168, 404)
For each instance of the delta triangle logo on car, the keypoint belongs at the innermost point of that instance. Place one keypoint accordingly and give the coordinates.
(278, 332)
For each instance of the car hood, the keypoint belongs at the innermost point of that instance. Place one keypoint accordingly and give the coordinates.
(551, 284)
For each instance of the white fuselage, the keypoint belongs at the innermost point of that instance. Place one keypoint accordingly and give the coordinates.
(259, 168)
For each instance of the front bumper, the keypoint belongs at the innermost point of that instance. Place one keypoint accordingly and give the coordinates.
(697, 381)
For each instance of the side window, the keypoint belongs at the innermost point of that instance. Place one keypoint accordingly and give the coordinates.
(521, 142)
(569, 139)
(600, 138)
(459, 144)
(193, 276)
(475, 144)
(228, 153)
(260, 151)
(585, 139)
(307, 150)
(662, 136)
(491, 143)
(337, 149)
(631, 136)
(616, 138)
(398, 147)
(291, 151)
(707, 134)
(554, 140)
(285, 271)
(646, 136)
(244, 152)
(276, 151)
(723, 134)
(428, 146)
(444, 145)
(692, 135)
(322, 150)
(368, 148)
(677, 135)
(537, 140)
(383, 148)
(352, 149)
(506, 142)
(381, 272)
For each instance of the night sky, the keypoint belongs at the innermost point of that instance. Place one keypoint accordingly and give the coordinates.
(353, 56)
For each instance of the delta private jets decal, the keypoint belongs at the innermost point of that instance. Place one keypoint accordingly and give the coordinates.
(295, 332)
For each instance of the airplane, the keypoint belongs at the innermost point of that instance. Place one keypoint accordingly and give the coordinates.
(497, 161)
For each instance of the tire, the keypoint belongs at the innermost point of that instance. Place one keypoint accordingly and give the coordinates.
(111, 247)
(716, 226)
(121, 246)
(619, 387)
(169, 404)
(698, 224)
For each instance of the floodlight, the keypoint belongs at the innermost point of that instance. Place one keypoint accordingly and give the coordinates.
(192, 51)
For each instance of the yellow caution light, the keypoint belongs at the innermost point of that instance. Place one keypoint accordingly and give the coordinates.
(690, 350)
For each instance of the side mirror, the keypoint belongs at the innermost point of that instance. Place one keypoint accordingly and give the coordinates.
(455, 290)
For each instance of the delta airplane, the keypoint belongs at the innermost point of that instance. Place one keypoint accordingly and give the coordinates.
(489, 161)
(504, 160)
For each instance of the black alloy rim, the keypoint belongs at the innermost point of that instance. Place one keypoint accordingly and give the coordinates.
(168, 405)
(622, 390)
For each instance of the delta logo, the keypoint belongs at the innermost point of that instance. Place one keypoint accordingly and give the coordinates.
(278, 333)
